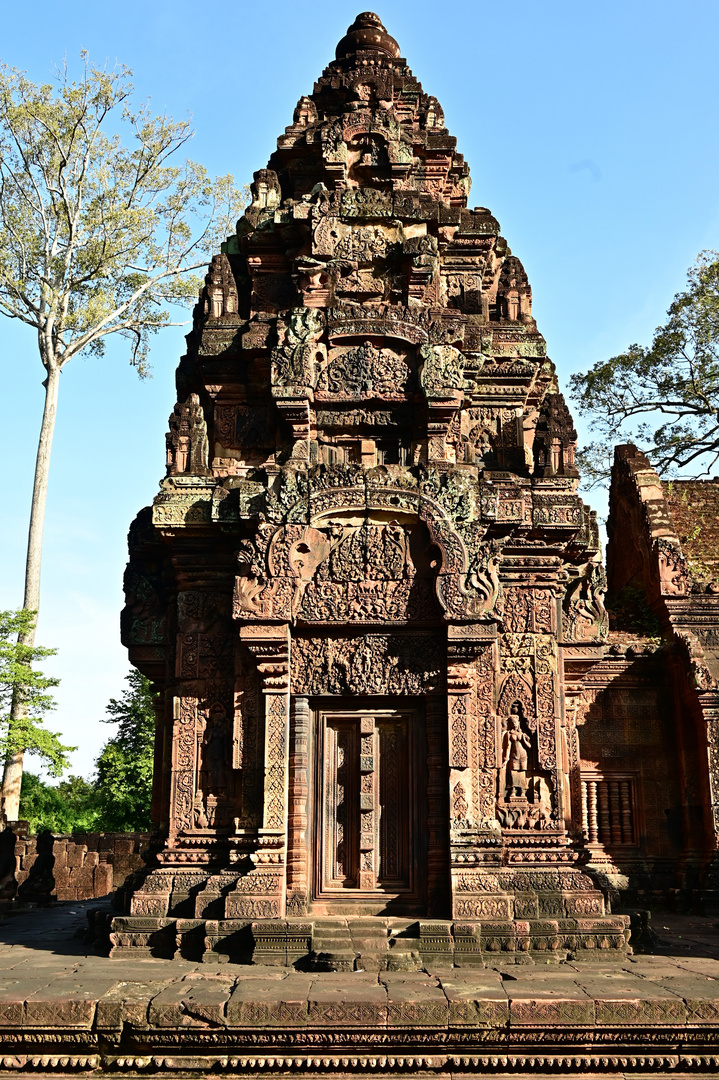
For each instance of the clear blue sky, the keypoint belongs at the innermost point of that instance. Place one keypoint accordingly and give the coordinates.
(591, 133)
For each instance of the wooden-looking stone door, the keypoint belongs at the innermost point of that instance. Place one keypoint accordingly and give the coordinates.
(370, 811)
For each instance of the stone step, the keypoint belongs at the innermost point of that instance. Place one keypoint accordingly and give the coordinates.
(332, 946)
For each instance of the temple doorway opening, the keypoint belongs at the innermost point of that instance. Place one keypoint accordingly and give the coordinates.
(370, 809)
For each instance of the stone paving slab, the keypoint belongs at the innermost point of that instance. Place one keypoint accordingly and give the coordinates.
(660, 1009)
(276, 1002)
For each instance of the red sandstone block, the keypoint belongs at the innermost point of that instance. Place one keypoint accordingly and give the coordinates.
(11, 1013)
(415, 1000)
(347, 1000)
(271, 1002)
(189, 1002)
(68, 1002)
(76, 855)
(102, 880)
(124, 845)
(81, 879)
(28, 861)
(127, 1002)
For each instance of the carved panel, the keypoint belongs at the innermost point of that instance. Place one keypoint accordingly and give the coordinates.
(276, 776)
(184, 763)
(458, 757)
(485, 734)
(546, 722)
(393, 664)
(364, 371)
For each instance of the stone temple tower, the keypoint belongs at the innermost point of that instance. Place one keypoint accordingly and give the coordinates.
(367, 590)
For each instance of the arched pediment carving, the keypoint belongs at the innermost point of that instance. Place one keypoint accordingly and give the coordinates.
(377, 554)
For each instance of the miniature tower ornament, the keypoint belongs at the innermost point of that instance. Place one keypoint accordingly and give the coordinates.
(349, 589)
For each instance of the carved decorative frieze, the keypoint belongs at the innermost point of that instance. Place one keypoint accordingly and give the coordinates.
(391, 664)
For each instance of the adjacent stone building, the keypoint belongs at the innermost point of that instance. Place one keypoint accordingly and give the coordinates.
(391, 725)
(649, 717)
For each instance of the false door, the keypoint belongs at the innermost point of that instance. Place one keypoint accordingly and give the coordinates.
(370, 821)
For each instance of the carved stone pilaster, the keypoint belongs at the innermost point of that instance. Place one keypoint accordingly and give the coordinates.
(709, 704)
(467, 729)
(184, 764)
(297, 838)
(270, 645)
(460, 693)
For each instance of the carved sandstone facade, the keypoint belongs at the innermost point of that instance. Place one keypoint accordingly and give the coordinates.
(367, 589)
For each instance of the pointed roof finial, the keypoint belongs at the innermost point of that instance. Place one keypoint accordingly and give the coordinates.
(367, 34)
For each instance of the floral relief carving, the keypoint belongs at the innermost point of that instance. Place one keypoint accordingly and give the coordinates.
(373, 664)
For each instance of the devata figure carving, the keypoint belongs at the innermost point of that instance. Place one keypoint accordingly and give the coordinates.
(515, 757)
(359, 556)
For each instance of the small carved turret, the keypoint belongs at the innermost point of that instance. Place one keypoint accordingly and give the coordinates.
(266, 195)
(514, 297)
(188, 448)
(555, 439)
(219, 296)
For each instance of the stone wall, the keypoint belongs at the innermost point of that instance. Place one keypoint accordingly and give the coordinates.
(662, 543)
(694, 506)
(85, 866)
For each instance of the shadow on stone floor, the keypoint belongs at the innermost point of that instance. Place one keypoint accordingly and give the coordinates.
(63, 929)
(60, 928)
(685, 935)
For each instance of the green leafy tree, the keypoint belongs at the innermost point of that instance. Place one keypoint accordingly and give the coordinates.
(101, 227)
(21, 683)
(124, 767)
(665, 396)
(70, 806)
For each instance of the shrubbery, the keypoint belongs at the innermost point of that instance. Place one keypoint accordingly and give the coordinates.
(117, 798)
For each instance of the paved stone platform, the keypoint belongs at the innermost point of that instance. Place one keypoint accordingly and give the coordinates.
(64, 1011)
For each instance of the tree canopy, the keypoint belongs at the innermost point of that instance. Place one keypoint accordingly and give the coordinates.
(99, 224)
(69, 806)
(21, 682)
(117, 798)
(124, 767)
(665, 396)
(101, 227)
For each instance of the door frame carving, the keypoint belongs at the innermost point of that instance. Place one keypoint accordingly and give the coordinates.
(378, 900)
